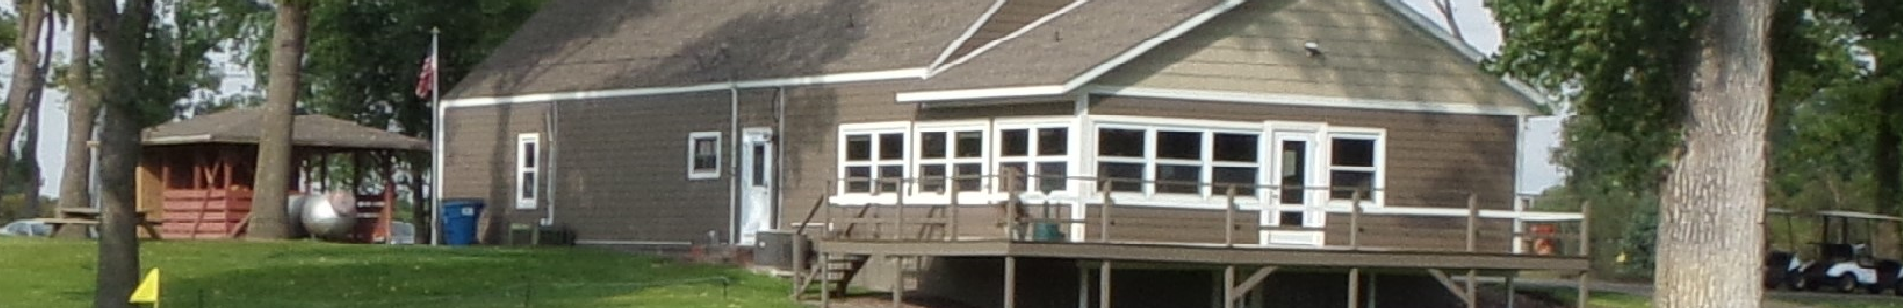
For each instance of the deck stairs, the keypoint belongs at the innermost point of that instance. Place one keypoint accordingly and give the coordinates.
(839, 270)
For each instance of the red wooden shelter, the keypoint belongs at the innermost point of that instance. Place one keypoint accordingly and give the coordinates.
(195, 175)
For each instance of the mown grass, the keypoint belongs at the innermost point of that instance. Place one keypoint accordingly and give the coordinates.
(59, 273)
(1598, 299)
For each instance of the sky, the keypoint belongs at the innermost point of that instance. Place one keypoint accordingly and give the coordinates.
(1476, 24)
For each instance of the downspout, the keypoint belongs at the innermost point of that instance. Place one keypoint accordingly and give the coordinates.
(733, 170)
(779, 151)
(553, 145)
(1519, 167)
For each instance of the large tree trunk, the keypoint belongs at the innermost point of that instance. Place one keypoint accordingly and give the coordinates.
(119, 149)
(31, 147)
(26, 52)
(75, 189)
(1710, 241)
(274, 146)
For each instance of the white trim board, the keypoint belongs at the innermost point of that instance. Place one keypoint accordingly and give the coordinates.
(908, 73)
(1313, 101)
(973, 94)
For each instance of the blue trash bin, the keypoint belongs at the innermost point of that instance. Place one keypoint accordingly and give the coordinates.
(459, 221)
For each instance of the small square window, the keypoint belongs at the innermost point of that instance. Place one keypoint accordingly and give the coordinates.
(1120, 142)
(703, 155)
(932, 145)
(1014, 142)
(970, 144)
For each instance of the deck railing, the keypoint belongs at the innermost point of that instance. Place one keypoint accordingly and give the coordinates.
(942, 221)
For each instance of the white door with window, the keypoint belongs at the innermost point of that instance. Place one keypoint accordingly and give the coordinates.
(756, 185)
(1296, 200)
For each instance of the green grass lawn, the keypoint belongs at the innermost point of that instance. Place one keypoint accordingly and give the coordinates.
(59, 273)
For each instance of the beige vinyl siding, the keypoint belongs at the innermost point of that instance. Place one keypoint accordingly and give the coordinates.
(1369, 52)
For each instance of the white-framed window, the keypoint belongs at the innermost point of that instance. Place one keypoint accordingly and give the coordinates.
(703, 155)
(1041, 153)
(872, 156)
(1179, 160)
(951, 157)
(1356, 160)
(527, 167)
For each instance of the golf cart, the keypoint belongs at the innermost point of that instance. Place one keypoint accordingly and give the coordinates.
(1845, 260)
(1781, 266)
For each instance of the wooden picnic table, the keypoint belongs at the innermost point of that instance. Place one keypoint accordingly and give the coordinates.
(90, 217)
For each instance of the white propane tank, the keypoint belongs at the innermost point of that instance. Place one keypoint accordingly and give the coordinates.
(330, 216)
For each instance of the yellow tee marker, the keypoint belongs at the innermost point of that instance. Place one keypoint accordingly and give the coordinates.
(148, 291)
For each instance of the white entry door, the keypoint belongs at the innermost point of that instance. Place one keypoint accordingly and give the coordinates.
(1296, 202)
(756, 192)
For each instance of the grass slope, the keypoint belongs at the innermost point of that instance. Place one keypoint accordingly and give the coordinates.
(59, 273)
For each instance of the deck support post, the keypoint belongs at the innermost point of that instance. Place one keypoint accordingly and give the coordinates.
(1584, 276)
(1374, 283)
(1511, 292)
(1354, 287)
(898, 282)
(1103, 285)
(1010, 282)
(953, 235)
(1083, 287)
(1228, 284)
(825, 277)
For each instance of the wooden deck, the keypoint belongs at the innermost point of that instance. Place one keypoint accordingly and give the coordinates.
(1212, 254)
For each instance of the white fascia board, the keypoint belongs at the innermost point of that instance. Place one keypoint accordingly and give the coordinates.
(1313, 101)
(909, 73)
(1151, 43)
(180, 139)
(978, 94)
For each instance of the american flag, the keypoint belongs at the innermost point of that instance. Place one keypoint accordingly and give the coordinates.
(426, 81)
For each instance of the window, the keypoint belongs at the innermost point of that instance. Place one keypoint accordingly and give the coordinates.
(703, 155)
(1178, 160)
(873, 157)
(1039, 154)
(1353, 165)
(527, 164)
(953, 157)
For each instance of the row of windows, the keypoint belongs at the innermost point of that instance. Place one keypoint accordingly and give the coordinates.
(1146, 159)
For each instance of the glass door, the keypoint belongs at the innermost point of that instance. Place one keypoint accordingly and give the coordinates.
(1293, 200)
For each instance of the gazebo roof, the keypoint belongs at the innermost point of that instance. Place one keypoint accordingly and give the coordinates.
(241, 125)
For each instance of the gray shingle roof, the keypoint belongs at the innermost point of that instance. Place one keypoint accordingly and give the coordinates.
(578, 45)
(242, 126)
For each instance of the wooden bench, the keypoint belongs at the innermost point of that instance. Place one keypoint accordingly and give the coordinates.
(90, 217)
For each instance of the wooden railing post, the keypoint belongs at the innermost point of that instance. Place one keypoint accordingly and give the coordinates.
(1585, 229)
(1354, 220)
(953, 235)
(1012, 224)
(1473, 221)
(1103, 232)
(1229, 219)
(898, 217)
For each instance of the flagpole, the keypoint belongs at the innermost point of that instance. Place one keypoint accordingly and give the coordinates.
(436, 135)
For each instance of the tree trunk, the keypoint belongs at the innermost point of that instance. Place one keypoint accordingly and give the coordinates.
(1709, 245)
(26, 52)
(30, 150)
(119, 150)
(76, 181)
(274, 145)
